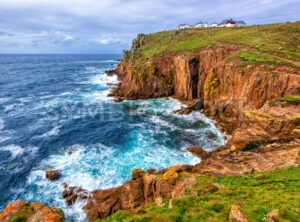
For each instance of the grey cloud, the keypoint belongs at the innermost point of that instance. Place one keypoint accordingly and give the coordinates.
(2, 33)
(88, 25)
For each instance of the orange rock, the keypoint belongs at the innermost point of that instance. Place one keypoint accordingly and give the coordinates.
(34, 212)
(11, 209)
(171, 173)
(236, 215)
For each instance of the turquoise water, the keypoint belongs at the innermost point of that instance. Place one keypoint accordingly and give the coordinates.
(49, 103)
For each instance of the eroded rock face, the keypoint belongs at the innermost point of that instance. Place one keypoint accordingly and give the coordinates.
(269, 157)
(226, 87)
(268, 124)
(31, 212)
(142, 189)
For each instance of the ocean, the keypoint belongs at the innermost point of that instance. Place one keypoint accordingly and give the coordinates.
(49, 103)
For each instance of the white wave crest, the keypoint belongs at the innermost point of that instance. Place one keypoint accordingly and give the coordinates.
(15, 150)
(2, 125)
(4, 100)
(52, 132)
(103, 79)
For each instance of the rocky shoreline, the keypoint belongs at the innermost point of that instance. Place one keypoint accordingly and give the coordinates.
(264, 133)
(246, 101)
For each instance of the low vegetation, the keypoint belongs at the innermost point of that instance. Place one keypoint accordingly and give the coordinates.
(210, 200)
(258, 58)
(291, 99)
(265, 39)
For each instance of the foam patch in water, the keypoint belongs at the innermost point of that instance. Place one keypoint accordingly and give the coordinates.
(2, 124)
(15, 150)
(52, 132)
(103, 79)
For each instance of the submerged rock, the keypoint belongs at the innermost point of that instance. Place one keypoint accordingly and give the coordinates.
(118, 100)
(71, 194)
(52, 174)
(31, 212)
(72, 150)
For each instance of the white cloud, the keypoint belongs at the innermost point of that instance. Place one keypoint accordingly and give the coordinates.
(104, 23)
(107, 39)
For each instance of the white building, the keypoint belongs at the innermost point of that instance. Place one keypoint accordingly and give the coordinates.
(183, 26)
(226, 23)
(231, 23)
(201, 25)
(214, 24)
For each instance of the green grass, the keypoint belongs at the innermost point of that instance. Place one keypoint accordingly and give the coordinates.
(18, 219)
(279, 39)
(291, 99)
(257, 194)
(258, 58)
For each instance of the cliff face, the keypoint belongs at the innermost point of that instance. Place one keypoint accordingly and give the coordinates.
(243, 98)
(226, 86)
(250, 85)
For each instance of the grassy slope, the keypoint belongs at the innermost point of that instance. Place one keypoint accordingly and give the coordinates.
(257, 194)
(277, 39)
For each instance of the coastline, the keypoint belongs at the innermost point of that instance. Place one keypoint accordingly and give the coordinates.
(250, 102)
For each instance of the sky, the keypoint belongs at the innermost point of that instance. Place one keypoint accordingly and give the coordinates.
(108, 26)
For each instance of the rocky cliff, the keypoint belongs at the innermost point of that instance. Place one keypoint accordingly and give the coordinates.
(231, 91)
(247, 79)
(251, 93)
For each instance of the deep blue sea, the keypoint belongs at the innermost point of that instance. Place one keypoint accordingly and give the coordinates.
(49, 103)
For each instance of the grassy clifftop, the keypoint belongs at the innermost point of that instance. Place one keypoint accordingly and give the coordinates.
(210, 200)
(276, 39)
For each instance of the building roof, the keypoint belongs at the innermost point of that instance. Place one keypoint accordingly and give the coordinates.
(227, 21)
(184, 24)
(241, 22)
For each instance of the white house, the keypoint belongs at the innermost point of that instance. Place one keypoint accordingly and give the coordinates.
(201, 25)
(214, 24)
(183, 26)
(225, 23)
(231, 23)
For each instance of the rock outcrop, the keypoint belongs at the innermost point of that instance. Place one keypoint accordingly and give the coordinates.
(142, 189)
(226, 86)
(52, 174)
(242, 98)
(31, 212)
(268, 157)
(236, 215)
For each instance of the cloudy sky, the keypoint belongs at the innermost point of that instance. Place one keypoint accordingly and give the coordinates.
(108, 26)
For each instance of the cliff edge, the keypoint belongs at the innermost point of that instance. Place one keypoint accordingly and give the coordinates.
(248, 80)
